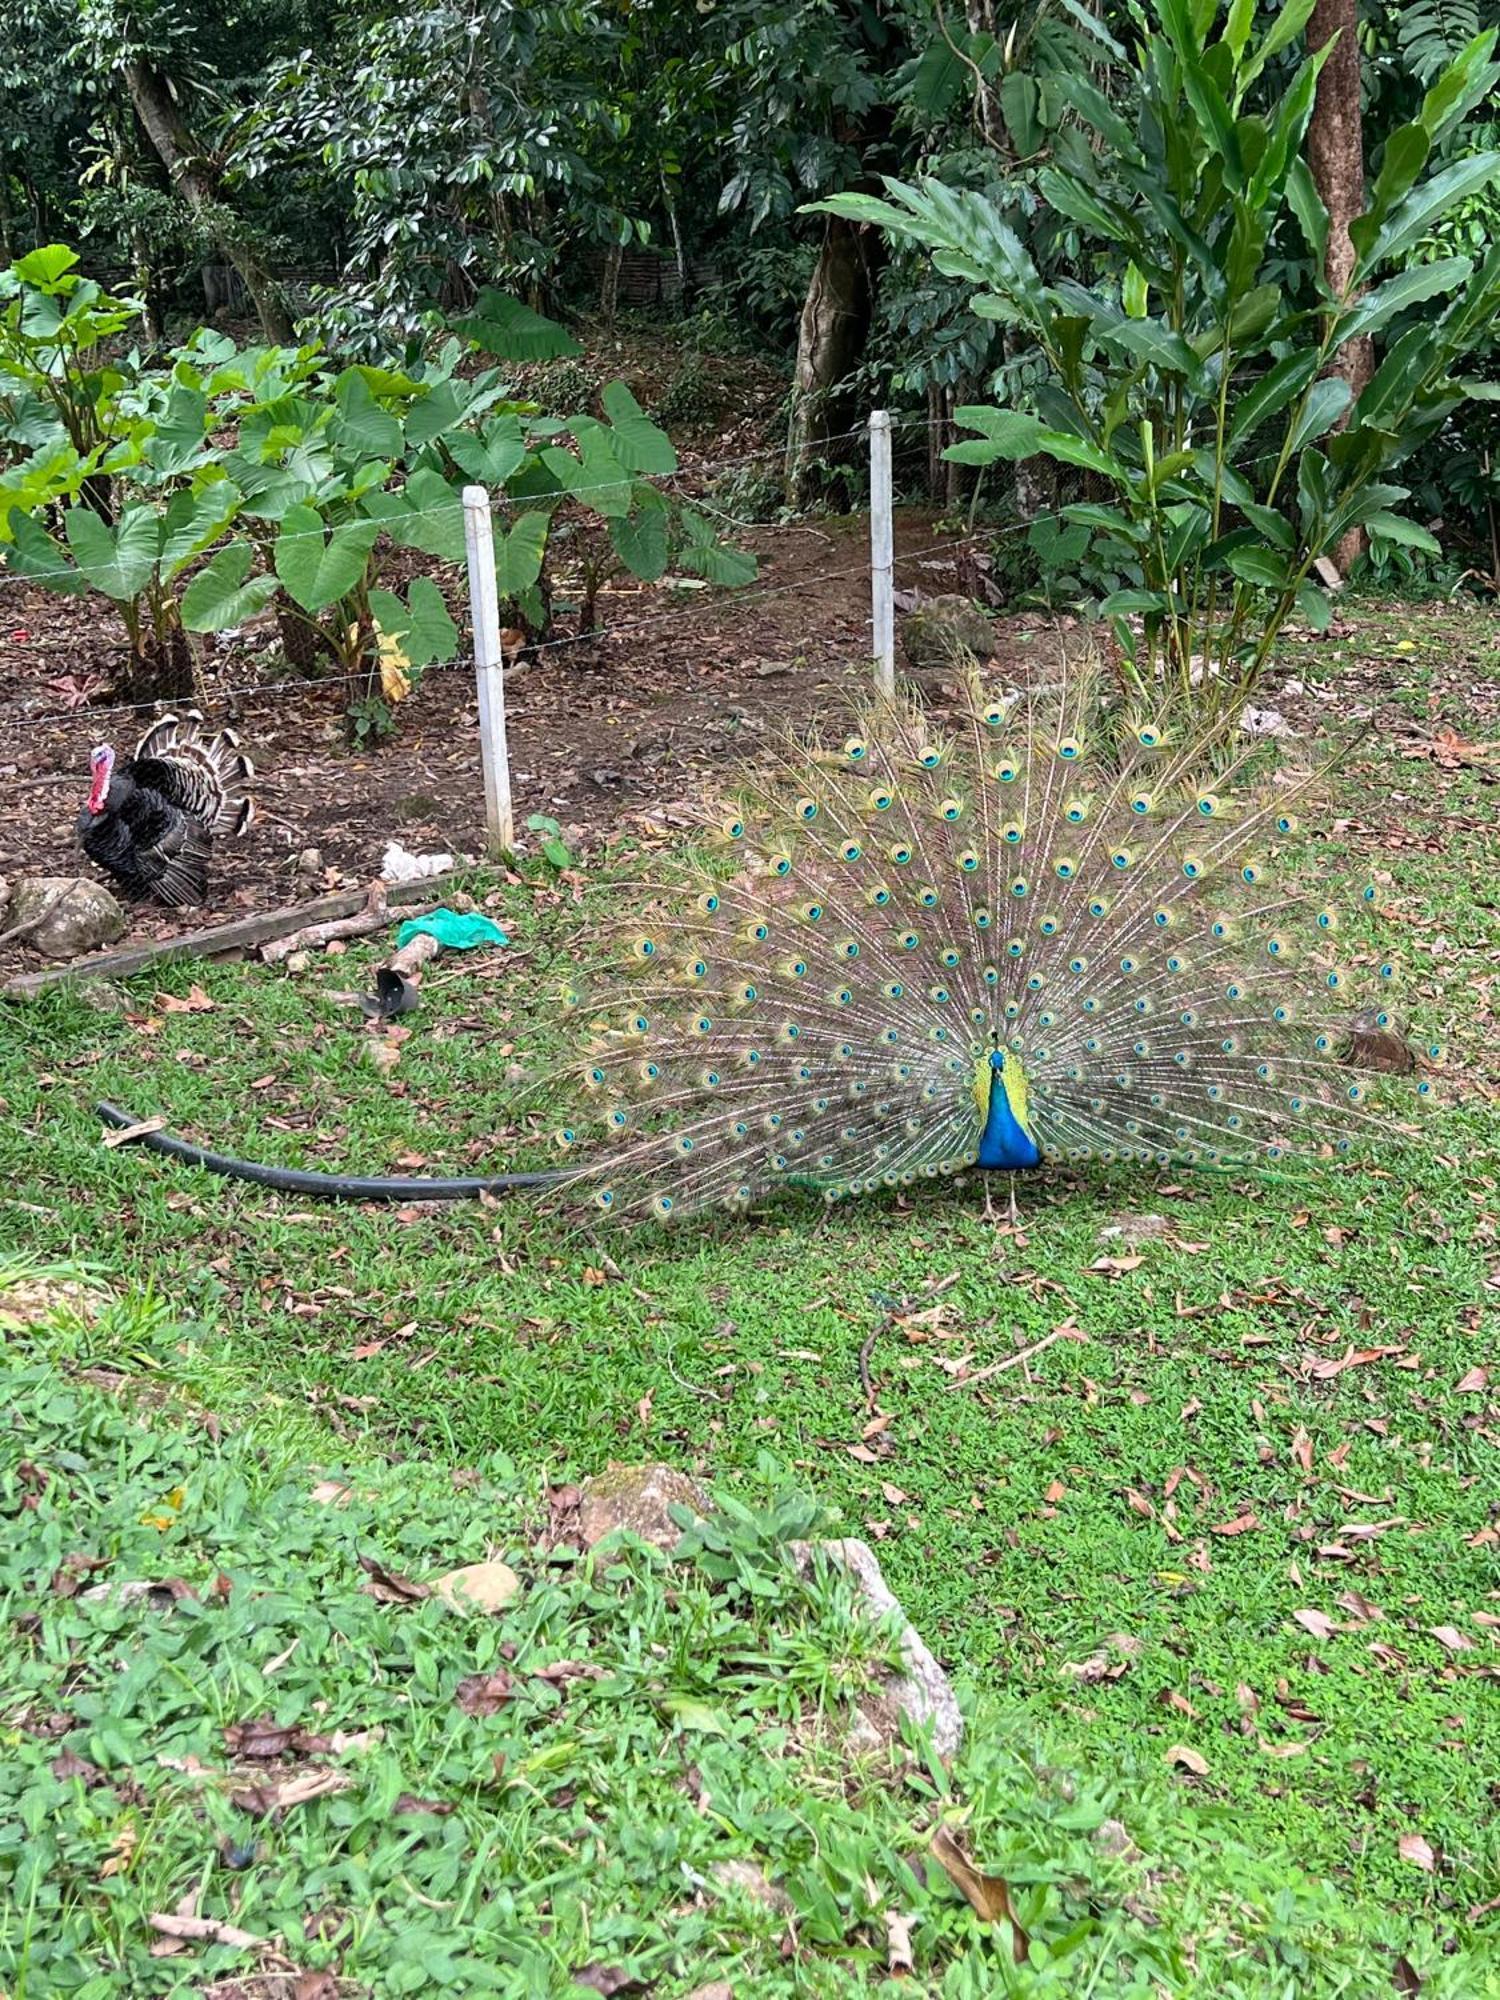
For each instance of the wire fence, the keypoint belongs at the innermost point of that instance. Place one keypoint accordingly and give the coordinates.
(880, 566)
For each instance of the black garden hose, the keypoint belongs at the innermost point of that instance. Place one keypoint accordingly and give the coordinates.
(326, 1187)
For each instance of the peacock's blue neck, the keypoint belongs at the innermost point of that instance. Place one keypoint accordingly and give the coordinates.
(1005, 1142)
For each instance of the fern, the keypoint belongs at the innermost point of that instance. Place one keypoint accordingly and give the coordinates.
(1430, 33)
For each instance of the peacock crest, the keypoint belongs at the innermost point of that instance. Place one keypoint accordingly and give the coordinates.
(1050, 931)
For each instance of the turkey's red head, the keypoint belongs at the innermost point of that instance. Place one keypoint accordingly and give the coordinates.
(101, 763)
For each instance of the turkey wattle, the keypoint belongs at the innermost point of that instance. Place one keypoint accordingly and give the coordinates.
(151, 822)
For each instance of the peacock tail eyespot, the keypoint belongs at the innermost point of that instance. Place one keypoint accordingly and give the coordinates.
(1208, 804)
(950, 810)
(1367, 894)
(1122, 857)
(619, 1120)
(649, 1072)
(1434, 1052)
(1070, 749)
(1327, 920)
(1175, 964)
(843, 997)
(789, 1031)
(1130, 965)
(893, 989)
(703, 1024)
(908, 940)
(856, 749)
(1424, 1089)
(1334, 981)
(662, 1205)
(640, 1024)
(596, 1075)
(939, 993)
(879, 896)
(563, 1137)
(747, 994)
(1020, 887)
(1234, 991)
(1163, 919)
(1012, 832)
(900, 855)
(950, 958)
(1356, 1093)
(1008, 770)
(605, 1198)
(644, 947)
(708, 903)
(698, 969)
(1286, 823)
(1015, 949)
(1149, 737)
(733, 829)
(1387, 971)
(1276, 947)
(1035, 983)
(1076, 811)
(1266, 1072)
(991, 976)
(1078, 965)
(880, 800)
(682, 1144)
(992, 715)
(848, 948)
(968, 861)
(779, 864)
(1250, 872)
(1192, 867)
(1098, 907)
(1231, 1045)
(1048, 926)
(1143, 805)
(928, 898)
(1065, 869)
(851, 850)
(807, 809)
(983, 920)
(757, 933)
(929, 757)
(709, 1078)
(1322, 1044)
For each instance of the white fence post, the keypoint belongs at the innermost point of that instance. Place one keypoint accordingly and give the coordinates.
(489, 669)
(882, 554)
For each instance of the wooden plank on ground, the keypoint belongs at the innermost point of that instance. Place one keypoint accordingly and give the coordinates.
(244, 934)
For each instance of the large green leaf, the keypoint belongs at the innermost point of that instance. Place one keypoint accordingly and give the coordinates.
(1079, 203)
(1405, 156)
(1386, 527)
(1288, 25)
(118, 562)
(1280, 384)
(1413, 218)
(640, 541)
(430, 516)
(179, 438)
(44, 267)
(511, 331)
(220, 596)
(638, 444)
(32, 553)
(1407, 288)
(1007, 434)
(1326, 402)
(363, 425)
(1262, 566)
(193, 523)
(423, 626)
(519, 553)
(1214, 120)
(707, 557)
(319, 567)
(1021, 108)
(492, 456)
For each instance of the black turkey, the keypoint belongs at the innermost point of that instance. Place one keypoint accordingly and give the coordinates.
(151, 822)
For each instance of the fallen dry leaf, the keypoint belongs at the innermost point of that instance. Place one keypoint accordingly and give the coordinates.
(1317, 1622)
(1413, 1848)
(486, 1586)
(208, 1930)
(987, 1895)
(898, 1954)
(196, 1002)
(609, 1980)
(331, 1493)
(125, 1133)
(389, 1588)
(1108, 1662)
(1474, 1383)
(1452, 1638)
(485, 1694)
(279, 1794)
(1242, 1524)
(1188, 1758)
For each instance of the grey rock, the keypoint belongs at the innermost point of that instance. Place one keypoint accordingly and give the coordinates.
(637, 1498)
(944, 630)
(1131, 1229)
(308, 862)
(104, 996)
(1111, 1838)
(716, 1989)
(922, 1690)
(64, 916)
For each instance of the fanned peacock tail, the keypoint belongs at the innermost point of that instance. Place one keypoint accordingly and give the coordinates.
(825, 998)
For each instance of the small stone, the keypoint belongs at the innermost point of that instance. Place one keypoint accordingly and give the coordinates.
(308, 862)
(297, 961)
(104, 996)
(1132, 1229)
(67, 915)
(945, 630)
(716, 1989)
(487, 1586)
(922, 1691)
(637, 1499)
(1111, 1838)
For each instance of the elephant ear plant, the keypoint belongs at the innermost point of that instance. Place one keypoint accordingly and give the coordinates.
(1198, 389)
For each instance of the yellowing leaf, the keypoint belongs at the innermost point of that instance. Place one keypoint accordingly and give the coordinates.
(1413, 1848)
(395, 678)
(1189, 1759)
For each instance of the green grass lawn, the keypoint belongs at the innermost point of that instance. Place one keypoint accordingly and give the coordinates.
(1223, 1551)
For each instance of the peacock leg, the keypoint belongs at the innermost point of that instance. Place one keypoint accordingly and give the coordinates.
(989, 1200)
(1012, 1213)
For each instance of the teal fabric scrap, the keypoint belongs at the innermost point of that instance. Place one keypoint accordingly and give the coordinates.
(452, 931)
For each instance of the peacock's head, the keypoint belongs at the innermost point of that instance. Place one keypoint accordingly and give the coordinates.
(999, 1075)
(102, 764)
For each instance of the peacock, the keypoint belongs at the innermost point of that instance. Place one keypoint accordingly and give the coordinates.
(1059, 929)
(151, 822)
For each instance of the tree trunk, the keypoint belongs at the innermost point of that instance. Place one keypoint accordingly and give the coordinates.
(609, 285)
(7, 229)
(193, 175)
(831, 335)
(1336, 158)
(669, 202)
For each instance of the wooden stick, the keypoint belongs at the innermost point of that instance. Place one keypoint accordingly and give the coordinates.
(375, 916)
(244, 934)
(1010, 1361)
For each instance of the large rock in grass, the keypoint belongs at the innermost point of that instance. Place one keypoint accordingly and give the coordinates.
(639, 1499)
(921, 1689)
(945, 631)
(64, 916)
